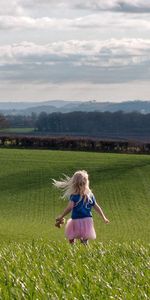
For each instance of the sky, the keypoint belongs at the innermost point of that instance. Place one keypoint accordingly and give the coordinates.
(74, 50)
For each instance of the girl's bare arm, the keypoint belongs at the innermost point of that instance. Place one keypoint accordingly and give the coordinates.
(100, 212)
(66, 211)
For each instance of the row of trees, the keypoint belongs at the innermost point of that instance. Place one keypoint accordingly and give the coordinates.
(19, 121)
(73, 143)
(83, 123)
(3, 122)
(93, 123)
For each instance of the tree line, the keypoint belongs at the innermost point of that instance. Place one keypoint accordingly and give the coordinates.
(82, 123)
(93, 122)
(18, 121)
(73, 143)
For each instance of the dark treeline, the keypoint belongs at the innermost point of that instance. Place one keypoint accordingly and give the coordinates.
(83, 123)
(73, 143)
(22, 121)
(93, 123)
(18, 121)
(4, 123)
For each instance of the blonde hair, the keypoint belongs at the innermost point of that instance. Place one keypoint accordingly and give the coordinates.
(77, 184)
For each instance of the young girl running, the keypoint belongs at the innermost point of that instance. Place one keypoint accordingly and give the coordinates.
(81, 200)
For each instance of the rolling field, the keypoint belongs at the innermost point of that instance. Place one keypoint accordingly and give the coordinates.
(17, 130)
(56, 270)
(29, 203)
(35, 260)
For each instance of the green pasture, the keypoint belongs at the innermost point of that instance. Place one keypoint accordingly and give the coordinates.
(29, 203)
(58, 271)
(17, 130)
(37, 263)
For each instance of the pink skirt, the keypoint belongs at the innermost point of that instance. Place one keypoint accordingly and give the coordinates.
(80, 228)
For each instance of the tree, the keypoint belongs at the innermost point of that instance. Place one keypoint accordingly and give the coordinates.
(3, 122)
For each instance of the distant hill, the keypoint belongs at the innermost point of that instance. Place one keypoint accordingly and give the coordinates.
(27, 108)
(21, 105)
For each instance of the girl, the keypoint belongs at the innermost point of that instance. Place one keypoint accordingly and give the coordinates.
(81, 201)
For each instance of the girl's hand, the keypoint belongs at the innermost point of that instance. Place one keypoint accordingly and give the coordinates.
(106, 220)
(59, 222)
(59, 218)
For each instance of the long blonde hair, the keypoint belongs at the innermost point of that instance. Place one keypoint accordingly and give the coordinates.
(77, 184)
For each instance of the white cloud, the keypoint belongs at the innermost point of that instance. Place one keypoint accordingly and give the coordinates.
(11, 8)
(134, 6)
(15, 22)
(87, 22)
(126, 51)
(27, 8)
(23, 7)
(110, 5)
(109, 61)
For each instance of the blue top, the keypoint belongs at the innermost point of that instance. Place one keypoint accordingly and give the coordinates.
(82, 208)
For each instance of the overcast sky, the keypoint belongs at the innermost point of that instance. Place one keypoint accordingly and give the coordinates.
(74, 50)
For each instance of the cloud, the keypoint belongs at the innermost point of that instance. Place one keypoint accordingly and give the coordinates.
(11, 8)
(22, 15)
(134, 6)
(109, 61)
(24, 7)
(86, 22)
(113, 48)
(29, 7)
(21, 22)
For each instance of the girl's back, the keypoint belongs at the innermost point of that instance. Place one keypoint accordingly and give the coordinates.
(82, 206)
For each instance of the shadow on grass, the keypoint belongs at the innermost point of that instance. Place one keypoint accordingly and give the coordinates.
(117, 170)
(25, 180)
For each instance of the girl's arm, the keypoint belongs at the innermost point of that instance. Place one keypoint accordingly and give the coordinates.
(66, 211)
(100, 212)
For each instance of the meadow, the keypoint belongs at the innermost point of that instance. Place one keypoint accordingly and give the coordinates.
(36, 261)
(17, 130)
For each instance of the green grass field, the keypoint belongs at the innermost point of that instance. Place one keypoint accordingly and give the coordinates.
(29, 203)
(17, 130)
(56, 270)
(35, 260)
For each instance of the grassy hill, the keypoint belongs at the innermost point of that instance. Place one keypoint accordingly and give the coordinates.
(35, 260)
(26, 108)
(40, 270)
(29, 203)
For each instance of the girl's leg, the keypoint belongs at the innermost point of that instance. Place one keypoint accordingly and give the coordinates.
(71, 241)
(84, 241)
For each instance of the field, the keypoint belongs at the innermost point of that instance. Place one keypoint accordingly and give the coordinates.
(36, 261)
(17, 130)
(40, 270)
